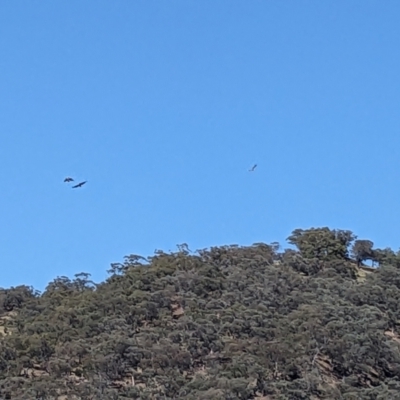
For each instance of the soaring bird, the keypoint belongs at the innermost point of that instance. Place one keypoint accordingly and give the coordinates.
(253, 168)
(68, 179)
(79, 185)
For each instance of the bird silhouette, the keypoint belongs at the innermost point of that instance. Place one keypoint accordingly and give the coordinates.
(68, 179)
(253, 168)
(79, 185)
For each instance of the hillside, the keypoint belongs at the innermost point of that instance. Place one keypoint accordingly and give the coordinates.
(223, 323)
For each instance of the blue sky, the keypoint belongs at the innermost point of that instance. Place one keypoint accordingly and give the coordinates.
(163, 106)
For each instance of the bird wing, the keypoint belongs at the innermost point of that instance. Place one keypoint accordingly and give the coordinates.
(79, 184)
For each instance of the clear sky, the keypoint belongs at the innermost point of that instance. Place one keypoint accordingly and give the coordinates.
(163, 106)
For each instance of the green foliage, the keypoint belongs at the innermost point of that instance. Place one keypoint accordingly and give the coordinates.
(230, 322)
(322, 243)
(362, 250)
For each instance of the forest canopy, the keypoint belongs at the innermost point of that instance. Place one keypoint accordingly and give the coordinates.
(229, 322)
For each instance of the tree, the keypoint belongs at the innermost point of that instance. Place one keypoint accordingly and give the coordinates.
(362, 250)
(322, 243)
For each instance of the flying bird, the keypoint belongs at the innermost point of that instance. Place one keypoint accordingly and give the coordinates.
(68, 179)
(253, 168)
(79, 185)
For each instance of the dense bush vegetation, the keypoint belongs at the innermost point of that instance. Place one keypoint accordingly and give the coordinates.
(224, 323)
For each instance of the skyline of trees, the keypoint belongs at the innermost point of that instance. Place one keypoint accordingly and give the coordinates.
(229, 322)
